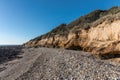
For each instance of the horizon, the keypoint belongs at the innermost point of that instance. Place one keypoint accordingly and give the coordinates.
(22, 20)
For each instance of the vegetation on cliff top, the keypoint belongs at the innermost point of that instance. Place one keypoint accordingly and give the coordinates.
(82, 22)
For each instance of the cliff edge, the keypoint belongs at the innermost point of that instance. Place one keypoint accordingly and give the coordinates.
(97, 32)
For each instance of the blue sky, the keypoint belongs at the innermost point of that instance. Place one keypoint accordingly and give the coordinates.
(22, 20)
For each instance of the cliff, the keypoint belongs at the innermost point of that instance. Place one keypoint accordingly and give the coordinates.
(97, 32)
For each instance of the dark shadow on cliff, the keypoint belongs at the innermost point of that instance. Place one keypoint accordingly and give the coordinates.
(110, 55)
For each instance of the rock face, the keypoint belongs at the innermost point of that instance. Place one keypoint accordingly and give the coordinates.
(97, 32)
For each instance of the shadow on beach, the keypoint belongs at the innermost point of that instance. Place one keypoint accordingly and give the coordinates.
(8, 53)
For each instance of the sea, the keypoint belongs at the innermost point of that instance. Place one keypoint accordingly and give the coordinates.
(9, 46)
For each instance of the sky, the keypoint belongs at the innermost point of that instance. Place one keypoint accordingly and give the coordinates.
(22, 20)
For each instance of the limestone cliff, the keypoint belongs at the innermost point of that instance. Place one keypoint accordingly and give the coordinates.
(97, 32)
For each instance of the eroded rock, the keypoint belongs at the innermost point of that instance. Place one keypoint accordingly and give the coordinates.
(97, 32)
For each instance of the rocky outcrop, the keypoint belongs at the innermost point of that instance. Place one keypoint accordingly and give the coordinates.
(97, 32)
